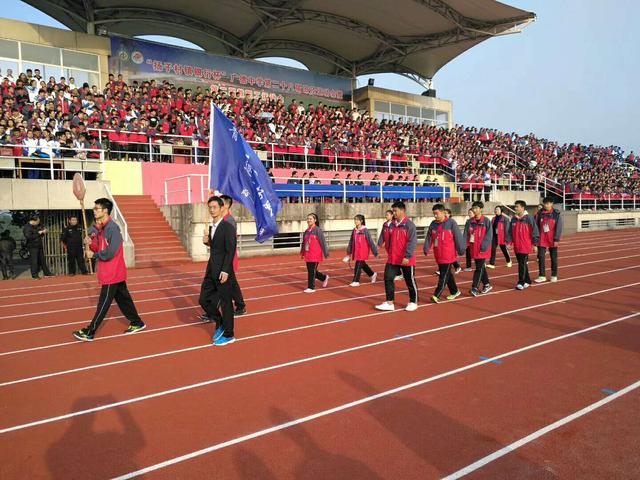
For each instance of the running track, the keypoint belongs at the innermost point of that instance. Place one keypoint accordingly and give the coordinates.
(538, 384)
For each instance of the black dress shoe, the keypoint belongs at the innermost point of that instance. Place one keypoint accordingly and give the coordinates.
(240, 311)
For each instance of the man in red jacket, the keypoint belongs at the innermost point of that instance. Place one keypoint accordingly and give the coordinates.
(524, 235)
(478, 234)
(447, 241)
(549, 223)
(105, 243)
(403, 240)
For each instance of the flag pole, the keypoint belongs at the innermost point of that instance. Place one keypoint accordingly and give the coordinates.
(212, 117)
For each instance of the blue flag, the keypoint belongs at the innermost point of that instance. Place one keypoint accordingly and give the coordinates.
(236, 170)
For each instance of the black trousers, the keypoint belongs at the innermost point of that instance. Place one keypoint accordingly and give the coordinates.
(313, 274)
(553, 253)
(456, 265)
(480, 274)
(391, 272)
(75, 255)
(236, 293)
(494, 250)
(360, 266)
(120, 293)
(38, 261)
(6, 263)
(523, 268)
(446, 278)
(216, 301)
(467, 257)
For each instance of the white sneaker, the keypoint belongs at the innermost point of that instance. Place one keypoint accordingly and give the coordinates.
(411, 307)
(468, 270)
(540, 279)
(374, 277)
(458, 270)
(397, 278)
(346, 259)
(490, 266)
(520, 286)
(326, 282)
(354, 284)
(309, 290)
(389, 307)
(554, 279)
(525, 285)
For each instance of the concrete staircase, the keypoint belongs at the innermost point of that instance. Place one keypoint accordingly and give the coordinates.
(156, 244)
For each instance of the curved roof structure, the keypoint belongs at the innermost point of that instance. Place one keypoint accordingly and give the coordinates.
(343, 37)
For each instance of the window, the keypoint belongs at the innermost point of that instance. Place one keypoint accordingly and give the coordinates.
(442, 118)
(397, 109)
(6, 65)
(413, 111)
(382, 107)
(85, 61)
(428, 113)
(8, 49)
(40, 54)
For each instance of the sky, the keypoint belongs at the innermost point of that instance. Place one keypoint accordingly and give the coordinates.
(571, 76)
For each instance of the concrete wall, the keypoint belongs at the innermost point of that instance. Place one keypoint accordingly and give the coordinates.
(510, 197)
(125, 177)
(16, 194)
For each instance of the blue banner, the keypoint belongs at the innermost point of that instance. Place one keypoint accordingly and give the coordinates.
(143, 60)
(236, 170)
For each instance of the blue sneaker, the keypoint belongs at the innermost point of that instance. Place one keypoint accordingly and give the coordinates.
(218, 333)
(222, 341)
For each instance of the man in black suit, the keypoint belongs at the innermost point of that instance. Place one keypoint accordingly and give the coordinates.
(215, 293)
(33, 233)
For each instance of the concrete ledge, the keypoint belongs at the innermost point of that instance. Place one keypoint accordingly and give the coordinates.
(17, 194)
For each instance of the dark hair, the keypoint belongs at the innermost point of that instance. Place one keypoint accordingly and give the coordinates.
(73, 215)
(105, 203)
(498, 206)
(227, 199)
(438, 207)
(389, 211)
(469, 210)
(216, 199)
(315, 217)
(398, 204)
(448, 210)
(477, 204)
(361, 218)
(522, 203)
(547, 200)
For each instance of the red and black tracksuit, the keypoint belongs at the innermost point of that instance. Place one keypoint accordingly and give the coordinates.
(314, 249)
(501, 237)
(524, 234)
(550, 227)
(106, 243)
(383, 239)
(478, 235)
(402, 243)
(447, 242)
(360, 246)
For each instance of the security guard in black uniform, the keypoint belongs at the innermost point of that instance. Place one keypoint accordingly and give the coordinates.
(71, 238)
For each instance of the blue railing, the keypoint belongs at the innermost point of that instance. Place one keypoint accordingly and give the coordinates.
(382, 193)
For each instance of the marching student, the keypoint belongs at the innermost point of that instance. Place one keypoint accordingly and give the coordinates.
(478, 234)
(71, 238)
(456, 265)
(105, 243)
(524, 233)
(236, 292)
(402, 258)
(314, 248)
(360, 246)
(501, 237)
(383, 239)
(467, 252)
(447, 241)
(215, 293)
(549, 223)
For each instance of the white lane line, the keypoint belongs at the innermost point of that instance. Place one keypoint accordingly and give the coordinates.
(297, 267)
(300, 328)
(264, 297)
(539, 433)
(171, 327)
(362, 401)
(311, 359)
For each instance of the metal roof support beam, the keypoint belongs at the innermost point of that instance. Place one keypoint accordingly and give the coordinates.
(341, 63)
(132, 14)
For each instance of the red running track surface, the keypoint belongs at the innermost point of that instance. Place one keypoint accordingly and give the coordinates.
(323, 385)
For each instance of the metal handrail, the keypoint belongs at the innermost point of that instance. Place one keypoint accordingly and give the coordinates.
(118, 214)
